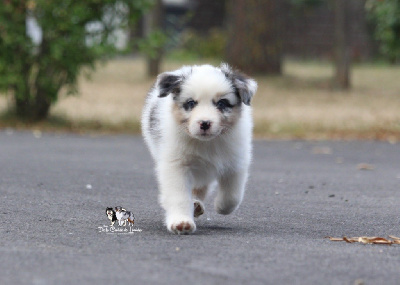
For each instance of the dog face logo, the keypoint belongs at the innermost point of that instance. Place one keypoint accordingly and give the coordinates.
(111, 215)
(205, 111)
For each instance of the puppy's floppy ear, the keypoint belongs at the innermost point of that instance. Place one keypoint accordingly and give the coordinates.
(244, 86)
(169, 83)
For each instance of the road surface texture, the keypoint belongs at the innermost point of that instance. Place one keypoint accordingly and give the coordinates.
(54, 190)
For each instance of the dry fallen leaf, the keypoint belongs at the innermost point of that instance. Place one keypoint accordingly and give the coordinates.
(368, 240)
(350, 240)
(396, 240)
(335, 239)
(365, 166)
(347, 240)
(374, 240)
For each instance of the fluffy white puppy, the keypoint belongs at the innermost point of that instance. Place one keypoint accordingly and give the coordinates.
(197, 124)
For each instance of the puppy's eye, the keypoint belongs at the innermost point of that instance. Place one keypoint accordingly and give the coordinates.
(223, 104)
(189, 105)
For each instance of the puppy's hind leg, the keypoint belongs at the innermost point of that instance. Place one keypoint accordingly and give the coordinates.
(199, 194)
(230, 192)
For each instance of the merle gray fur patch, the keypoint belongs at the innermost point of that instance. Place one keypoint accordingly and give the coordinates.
(240, 82)
(169, 83)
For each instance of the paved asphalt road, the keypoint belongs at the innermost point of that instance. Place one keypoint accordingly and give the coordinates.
(54, 190)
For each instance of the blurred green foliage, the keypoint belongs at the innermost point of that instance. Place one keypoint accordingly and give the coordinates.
(306, 3)
(198, 45)
(385, 15)
(74, 34)
(152, 44)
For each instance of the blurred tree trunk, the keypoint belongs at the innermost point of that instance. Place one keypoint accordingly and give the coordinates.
(154, 21)
(342, 44)
(254, 35)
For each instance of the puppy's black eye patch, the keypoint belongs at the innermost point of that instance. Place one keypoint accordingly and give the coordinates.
(223, 104)
(189, 105)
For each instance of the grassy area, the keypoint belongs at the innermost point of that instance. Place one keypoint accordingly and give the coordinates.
(299, 104)
(303, 104)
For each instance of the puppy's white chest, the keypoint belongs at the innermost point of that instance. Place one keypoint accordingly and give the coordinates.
(202, 170)
(207, 163)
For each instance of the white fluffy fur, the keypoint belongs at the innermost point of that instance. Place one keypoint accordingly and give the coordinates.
(188, 157)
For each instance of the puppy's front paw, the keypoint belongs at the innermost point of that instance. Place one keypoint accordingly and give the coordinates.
(198, 208)
(182, 227)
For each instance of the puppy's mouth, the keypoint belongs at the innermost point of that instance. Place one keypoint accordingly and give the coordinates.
(205, 135)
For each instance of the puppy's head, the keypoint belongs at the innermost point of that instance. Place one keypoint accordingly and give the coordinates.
(109, 211)
(119, 209)
(208, 101)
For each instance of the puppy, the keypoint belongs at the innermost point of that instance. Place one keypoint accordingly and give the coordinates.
(121, 215)
(111, 215)
(197, 124)
(124, 217)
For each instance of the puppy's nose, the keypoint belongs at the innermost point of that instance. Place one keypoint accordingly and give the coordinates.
(205, 125)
